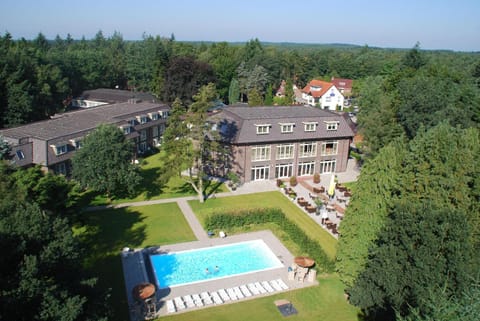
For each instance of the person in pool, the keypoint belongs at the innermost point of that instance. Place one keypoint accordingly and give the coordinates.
(207, 271)
(216, 268)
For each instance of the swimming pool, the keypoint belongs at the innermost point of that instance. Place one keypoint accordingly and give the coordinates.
(192, 266)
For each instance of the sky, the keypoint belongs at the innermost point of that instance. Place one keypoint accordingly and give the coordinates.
(435, 24)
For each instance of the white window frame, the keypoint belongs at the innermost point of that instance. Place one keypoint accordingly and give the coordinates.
(288, 168)
(263, 129)
(285, 151)
(306, 168)
(328, 166)
(310, 126)
(331, 151)
(331, 125)
(261, 153)
(60, 149)
(311, 152)
(154, 116)
(286, 128)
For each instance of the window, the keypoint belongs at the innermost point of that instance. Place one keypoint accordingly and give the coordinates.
(332, 125)
(285, 151)
(61, 168)
(126, 129)
(327, 166)
(20, 154)
(76, 142)
(329, 148)
(308, 150)
(261, 153)
(263, 129)
(154, 116)
(163, 114)
(310, 127)
(142, 119)
(132, 122)
(286, 128)
(305, 169)
(260, 173)
(59, 149)
(283, 170)
(155, 131)
(143, 135)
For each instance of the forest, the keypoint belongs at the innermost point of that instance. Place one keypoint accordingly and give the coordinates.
(410, 239)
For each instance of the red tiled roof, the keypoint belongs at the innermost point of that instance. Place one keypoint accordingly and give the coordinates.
(342, 83)
(324, 85)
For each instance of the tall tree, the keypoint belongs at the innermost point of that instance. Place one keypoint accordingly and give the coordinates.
(421, 249)
(233, 92)
(187, 155)
(41, 275)
(104, 163)
(254, 98)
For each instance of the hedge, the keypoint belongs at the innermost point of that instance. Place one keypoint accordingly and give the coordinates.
(217, 221)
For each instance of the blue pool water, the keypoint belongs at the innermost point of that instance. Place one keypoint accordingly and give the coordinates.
(180, 268)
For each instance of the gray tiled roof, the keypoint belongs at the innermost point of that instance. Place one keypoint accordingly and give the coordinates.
(243, 120)
(82, 120)
(116, 95)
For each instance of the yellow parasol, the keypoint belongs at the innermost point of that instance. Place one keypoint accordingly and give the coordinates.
(331, 187)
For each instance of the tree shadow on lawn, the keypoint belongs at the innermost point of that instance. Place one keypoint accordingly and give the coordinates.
(104, 235)
(152, 183)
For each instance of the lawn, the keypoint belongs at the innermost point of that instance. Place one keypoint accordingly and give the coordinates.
(106, 232)
(324, 302)
(265, 200)
(152, 188)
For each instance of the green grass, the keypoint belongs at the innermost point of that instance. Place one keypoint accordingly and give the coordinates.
(152, 188)
(106, 232)
(324, 302)
(268, 200)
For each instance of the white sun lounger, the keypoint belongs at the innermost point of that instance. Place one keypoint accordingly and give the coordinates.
(216, 298)
(245, 291)
(189, 301)
(206, 298)
(238, 292)
(179, 303)
(253, 289)
(223, 295)
(275, 285)
(267, 286)
(170, 306)
(282, 284)
(231, 294)
(260, 288)
(198, 301)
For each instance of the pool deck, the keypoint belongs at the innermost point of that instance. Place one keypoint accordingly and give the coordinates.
(134, 273)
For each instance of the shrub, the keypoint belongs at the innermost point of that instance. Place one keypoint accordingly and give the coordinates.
(316, 178)
(293, 181)
(217, 221)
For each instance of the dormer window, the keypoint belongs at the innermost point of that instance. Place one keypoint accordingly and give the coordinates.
(126, 129)
(132, 122)
(310, 126)
(286, 127)
(163, 114)
(332, 125)
(154, 116)
(263, 129)
(142, 119)
(76, 142)
(59, 149)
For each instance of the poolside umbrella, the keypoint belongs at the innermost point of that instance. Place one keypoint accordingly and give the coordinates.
(143, 291)
(304, 261)
(331, 187)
